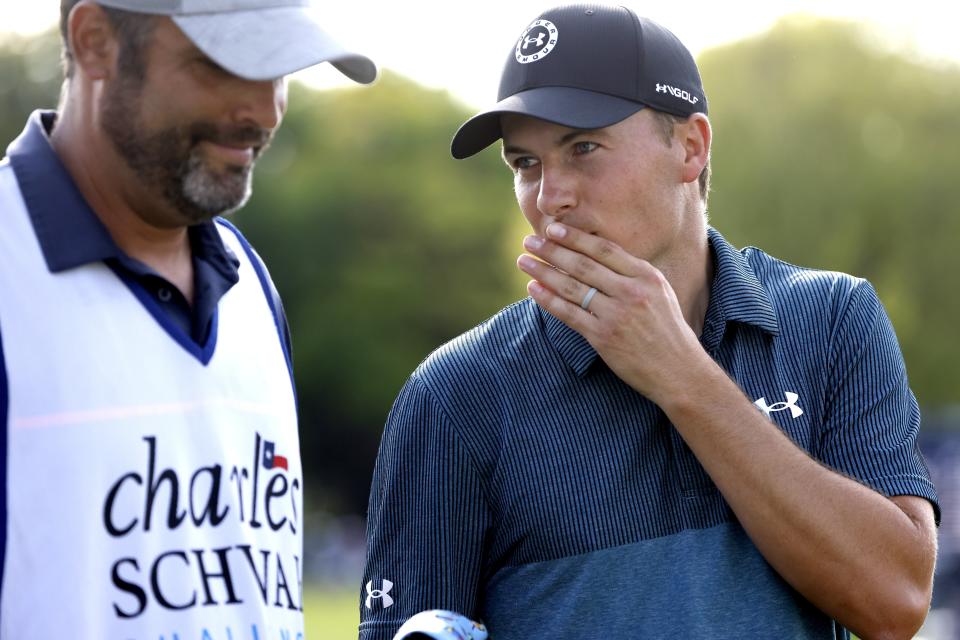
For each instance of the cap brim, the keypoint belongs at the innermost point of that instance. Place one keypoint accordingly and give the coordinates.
(574, 108)
(270, 43)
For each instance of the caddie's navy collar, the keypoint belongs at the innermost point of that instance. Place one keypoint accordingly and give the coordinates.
(736, 295)
(69, 232)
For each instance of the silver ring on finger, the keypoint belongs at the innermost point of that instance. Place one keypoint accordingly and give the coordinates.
(585, 303)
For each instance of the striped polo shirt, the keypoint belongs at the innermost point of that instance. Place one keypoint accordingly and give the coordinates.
(520, 482)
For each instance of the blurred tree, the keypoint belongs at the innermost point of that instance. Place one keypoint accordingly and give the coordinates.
(30, 78)
(832, 152)
(383, 247)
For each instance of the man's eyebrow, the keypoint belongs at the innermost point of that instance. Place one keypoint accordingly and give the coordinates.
(511, 149)
(562, 140)
(576, 133)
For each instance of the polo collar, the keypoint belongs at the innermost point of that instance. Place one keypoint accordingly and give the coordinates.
(736, 295)
(69, 233)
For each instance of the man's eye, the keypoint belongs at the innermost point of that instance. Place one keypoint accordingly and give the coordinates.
(524, 162)
(584, 147)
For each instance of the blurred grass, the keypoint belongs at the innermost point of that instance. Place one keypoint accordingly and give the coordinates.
(334, 614)
(330, 614)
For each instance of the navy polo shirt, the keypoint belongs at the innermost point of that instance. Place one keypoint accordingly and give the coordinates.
(520, 482)
(71, 235)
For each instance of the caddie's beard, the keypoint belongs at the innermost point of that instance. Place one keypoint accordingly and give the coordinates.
(170, 159)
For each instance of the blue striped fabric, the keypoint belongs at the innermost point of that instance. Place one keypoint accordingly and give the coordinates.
(517, 470)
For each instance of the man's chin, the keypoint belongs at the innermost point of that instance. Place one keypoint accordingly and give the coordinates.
(229, 211)
(207, 199)
(203, 211)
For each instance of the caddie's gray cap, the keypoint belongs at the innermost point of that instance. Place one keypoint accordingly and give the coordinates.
(256, 39)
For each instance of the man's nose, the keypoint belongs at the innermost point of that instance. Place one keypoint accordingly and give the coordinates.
(557, 194)
(263, 103)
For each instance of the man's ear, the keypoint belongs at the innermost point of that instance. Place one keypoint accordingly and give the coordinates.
(92, 41)
(696, 136)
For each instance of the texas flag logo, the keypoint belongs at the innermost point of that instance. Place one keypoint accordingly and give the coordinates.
(270, 459)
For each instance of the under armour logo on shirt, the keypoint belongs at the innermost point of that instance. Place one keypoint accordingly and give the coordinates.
(791, 404)
(374, 594)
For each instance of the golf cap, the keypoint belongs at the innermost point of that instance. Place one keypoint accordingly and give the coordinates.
(256, 39)
(588, 66)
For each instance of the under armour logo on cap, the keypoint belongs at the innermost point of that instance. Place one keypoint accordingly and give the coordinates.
(536, 42)
(791, 404)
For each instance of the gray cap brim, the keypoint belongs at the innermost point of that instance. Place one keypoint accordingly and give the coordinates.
(574, 108)
(265, 44)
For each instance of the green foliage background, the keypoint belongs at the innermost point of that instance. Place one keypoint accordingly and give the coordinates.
(829, 151)
(382, 247)
(834, 153)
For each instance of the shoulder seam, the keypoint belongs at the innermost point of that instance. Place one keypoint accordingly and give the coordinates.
(856, 293)
(418, 379)
(472, 329)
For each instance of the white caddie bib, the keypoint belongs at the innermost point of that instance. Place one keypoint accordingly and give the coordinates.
(150, 494)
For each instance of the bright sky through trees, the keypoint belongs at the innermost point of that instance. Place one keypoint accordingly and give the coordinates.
(460, 46)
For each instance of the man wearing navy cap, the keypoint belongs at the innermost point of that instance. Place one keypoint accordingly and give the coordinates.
(150, 476)
(670, 438)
